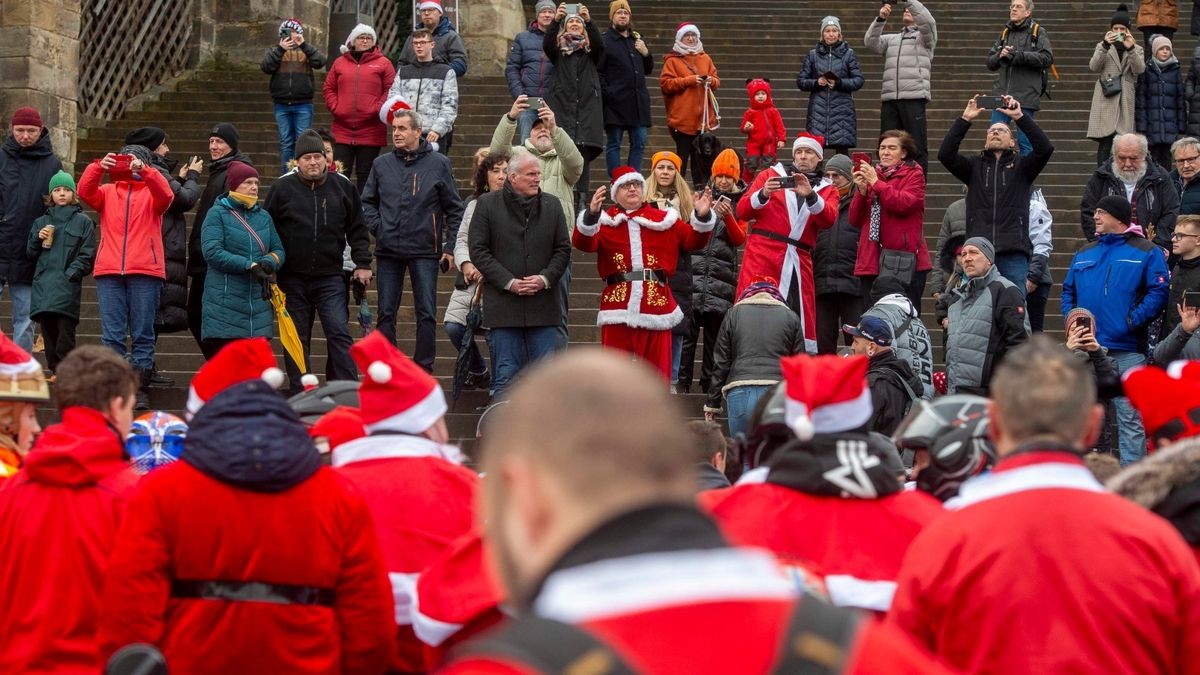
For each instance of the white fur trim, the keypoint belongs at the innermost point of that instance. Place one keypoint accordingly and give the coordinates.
(1044, 475)
(834, 417)
(622, 218)
(628, 178)
(583, 228)
(194, 402)
(428, 629)
(819, 206)
(705, 225)
(273, 376)
(848, 591)
(757, 203)
(404, 596)
(380, 372)
(804, 142)
(387, 106)
(686, 28)
(755, 476)
(635, 319)
(1174, 369)
(427, 4)
(309, 381)
(416, 419)
(388, 446)
(649, 581)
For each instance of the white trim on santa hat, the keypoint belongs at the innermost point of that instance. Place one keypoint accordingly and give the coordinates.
(831, 418)
(628, 178)
(685, 28)
(431, 4)
(850, 591)
(810, 143)
(385, 111)
(422, 415)
(390, 446)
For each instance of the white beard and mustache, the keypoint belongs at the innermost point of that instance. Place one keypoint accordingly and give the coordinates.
(1130, 177)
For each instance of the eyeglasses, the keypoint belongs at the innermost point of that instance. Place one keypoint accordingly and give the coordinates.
(1186, 160)
(1179, 237)
(422, 42)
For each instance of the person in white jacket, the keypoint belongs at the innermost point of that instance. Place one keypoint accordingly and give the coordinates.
(1039, 281)
(431, 88)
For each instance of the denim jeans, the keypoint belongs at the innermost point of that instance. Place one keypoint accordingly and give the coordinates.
(514, 348)
(525, 125)
(1130, 431)
(456, 332)
(390, 287)
(676, 356)
(1023, 144)
(564, 301)
(325, 297)
(1015, 268)
(292, 119)
(637, 145)
(128, 303)
(22, 296)
(739, 404)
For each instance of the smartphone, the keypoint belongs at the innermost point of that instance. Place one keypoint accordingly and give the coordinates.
(859, 159)
(1192, 298)
(829, 75)
(725, 199)
(285, 33)
(990, 102)
(785, 182)
(444, 265)
(534, 102)
(572, 8)
(1086, 322)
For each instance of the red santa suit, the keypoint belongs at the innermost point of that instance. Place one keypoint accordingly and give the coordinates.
(419, 495)
(784, 215)
(637, 314)
(1043, 571)
(766, 130)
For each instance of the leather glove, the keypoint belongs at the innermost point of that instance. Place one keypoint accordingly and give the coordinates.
(268, 266)
(260, 273)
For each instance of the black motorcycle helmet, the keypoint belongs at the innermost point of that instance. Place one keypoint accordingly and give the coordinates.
(312, 404)
(952, 431)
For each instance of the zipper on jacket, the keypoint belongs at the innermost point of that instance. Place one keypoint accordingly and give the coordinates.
(995, 195)
(125, 237)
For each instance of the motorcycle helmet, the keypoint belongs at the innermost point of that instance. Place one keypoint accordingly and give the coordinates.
(312, 404)
(952, 432)
(155, 439)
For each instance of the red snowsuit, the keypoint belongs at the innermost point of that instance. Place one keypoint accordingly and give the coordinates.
(784, 214)
(762, 141)
(58, 522)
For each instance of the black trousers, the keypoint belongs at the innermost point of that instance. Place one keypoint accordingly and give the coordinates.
(58, 334)
(195, 311)
(444, 143)
(1150, 31)
(324, 297)
(1104, 148)
(710, 324)
(683, 148)
(833, 311)
(357, 160)
(908, 114)
(1161, 154)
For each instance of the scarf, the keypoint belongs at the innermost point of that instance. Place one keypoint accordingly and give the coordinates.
(1162, 65)
(885, 173)
(247, 201)
(768, 287)
(524, 203)
(569, 43)
(684, 50)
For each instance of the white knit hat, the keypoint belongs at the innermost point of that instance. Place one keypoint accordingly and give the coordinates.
(360, 29)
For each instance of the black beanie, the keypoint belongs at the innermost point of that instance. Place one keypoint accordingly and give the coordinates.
(1117, 207)
(226, 132)
(147, 137)
(1120, 17)
(308, 142)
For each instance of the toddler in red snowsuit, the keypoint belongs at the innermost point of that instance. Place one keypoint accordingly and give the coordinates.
(763, 126)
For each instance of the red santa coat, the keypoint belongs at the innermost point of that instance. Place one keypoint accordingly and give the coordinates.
(184, 525)
(855, 545)
(1042, 571)
(58, 522)
(421, 501)
(630, 241)
(456, 600)
(785, 214)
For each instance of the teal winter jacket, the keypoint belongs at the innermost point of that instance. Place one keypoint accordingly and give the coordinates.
(233, 302)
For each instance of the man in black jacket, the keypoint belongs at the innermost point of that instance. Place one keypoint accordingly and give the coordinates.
(411, 205)
(999, 182)
(839, 291)
(623, 70)
(893, 384)
(519, 243)
(290, 65)
(1021, 59)
(1155, 202)
(316, 213)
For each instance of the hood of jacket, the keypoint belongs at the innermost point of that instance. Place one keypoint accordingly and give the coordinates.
(40, 148)
(1168, 483)
(753, 87)
(81, 450)
(1154, 174)
(901, 301)
(948, 256)
(444, 26)
(248, 436)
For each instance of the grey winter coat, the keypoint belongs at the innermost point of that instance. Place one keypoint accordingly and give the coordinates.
(755, 334)
(911, 342)
(459, 303)
(1114, 114)
(528, 70)
(1022, 74)
(907, 55)
(432, 90)
(1178, 345)
(987, 318)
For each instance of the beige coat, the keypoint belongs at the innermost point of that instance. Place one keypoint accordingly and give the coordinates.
(1114, 115)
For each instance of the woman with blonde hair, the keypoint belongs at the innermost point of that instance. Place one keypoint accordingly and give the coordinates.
(667, 187)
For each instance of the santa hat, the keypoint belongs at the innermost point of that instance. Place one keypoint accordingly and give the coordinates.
(807, 140)
(1169, 401)
(340, 425)
(685, 28)
(826, 394)
(392, 106)
(430, 4)
(626, 174)
(21, 376)
(396, 395)
(239, 361)
(360, 29)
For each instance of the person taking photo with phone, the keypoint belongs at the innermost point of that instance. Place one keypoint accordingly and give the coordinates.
(1118, 61)
(1022, 59)
(291, 63)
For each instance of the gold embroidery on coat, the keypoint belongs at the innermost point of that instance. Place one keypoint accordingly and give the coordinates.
(617, 293)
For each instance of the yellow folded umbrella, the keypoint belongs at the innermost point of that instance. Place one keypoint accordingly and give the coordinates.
(287, 329)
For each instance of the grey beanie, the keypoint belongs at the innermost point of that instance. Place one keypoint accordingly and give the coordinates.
(139, 151)
(830, 21)
(544, 4)
(985, 247)
(842, 165)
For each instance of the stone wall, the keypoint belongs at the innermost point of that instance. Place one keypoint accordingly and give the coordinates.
(240, 31)
(488, 27)
(39, 65)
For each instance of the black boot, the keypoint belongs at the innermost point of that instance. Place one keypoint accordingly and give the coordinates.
(159, 381)
(142, 396)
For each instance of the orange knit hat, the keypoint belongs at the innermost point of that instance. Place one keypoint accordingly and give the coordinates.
(727, 164)
(667, 155)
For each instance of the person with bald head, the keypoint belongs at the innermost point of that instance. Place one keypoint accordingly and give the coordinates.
(602, 552)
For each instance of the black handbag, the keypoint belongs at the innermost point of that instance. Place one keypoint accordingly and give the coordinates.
(1110, 86)
(898, 265)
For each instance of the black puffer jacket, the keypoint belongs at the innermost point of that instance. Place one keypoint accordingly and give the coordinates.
(574, 92)
(831, 111)
(834, 258)
(1161, 111)
(886, 377)
(1156, 196)
(714, 268)
(755, 334)
(1192, 91)
(681, 288)
(172, 302)
(25, 174)
(214, 188)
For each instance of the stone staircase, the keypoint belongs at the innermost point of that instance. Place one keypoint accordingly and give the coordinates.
(757, 38)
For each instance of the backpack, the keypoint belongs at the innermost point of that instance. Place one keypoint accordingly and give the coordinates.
(1052, 70)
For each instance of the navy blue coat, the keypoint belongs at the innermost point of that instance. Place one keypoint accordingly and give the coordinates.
(831, 111)
(528, 70)
(25, 174)
(1161, 110)
(623, 74)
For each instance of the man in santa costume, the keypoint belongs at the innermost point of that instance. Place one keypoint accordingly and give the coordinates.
(419, 494)
(605, 557)
(1041, 570)
(637, 247)
(248, 555)
(781, 242)
(831, 497)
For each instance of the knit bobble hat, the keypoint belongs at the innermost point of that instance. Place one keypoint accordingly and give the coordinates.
(1120, 17)
(238, 173)
(62, 179)
(1160, 41)
(831, 21)
(727, 164)
(293, 25)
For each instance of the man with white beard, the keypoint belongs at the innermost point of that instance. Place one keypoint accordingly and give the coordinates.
(1148, 188)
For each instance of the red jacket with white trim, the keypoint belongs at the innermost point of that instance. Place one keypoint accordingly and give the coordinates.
(58, 522)
(630, 241)
(1042, 571)
(421, 500)
(457, 599)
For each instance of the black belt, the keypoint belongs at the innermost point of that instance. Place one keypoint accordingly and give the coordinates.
(252, 591)
(640, 275)
(785, 239)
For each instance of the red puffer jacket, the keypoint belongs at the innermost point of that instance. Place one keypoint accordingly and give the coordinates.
(58, 522)
(355, 90)
(902, 218)
(131, 215)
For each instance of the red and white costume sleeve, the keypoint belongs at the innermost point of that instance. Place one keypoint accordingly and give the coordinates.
(643, 239)
(456, 599)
